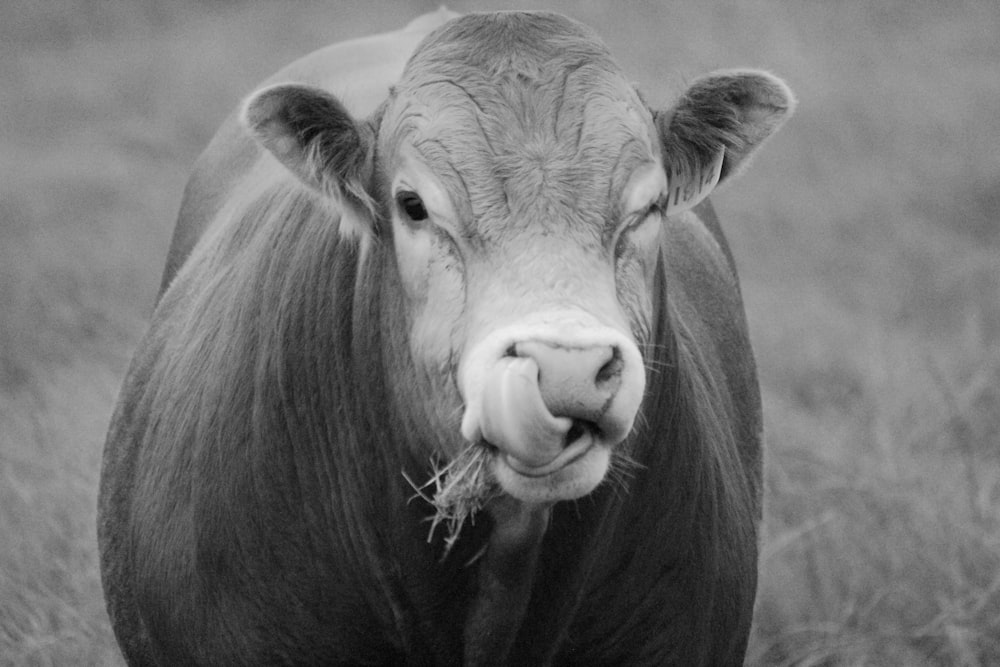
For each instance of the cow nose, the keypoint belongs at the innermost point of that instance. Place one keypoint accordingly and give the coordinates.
(541, 398)
(575, 382)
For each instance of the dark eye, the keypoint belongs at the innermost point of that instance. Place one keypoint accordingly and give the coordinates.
(655, 208)
(411, 204)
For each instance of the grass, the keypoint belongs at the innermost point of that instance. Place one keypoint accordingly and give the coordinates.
(457, 490)
(867, 234)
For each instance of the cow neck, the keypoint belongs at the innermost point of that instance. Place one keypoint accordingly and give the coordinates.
(505, 580)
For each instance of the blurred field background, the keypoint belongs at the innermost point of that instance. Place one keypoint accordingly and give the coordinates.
(867, 233)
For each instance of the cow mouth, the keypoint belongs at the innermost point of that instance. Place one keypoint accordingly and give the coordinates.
(572, 473)
(579, 439)
(551, 409)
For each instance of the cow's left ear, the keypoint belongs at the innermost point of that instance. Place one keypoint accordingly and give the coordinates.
(709, 135)
(310, 132)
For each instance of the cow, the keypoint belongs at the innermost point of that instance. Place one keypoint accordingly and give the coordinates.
(469, 235)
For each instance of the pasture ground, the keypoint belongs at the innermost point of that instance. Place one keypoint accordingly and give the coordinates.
(867, 233)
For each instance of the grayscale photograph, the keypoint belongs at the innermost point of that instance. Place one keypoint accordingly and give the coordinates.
(499, 334)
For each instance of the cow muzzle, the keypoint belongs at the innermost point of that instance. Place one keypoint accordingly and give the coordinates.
(553, 405)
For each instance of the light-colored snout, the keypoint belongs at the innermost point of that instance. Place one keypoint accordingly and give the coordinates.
(545, 396)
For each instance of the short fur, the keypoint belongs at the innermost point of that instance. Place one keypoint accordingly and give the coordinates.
(253, 504)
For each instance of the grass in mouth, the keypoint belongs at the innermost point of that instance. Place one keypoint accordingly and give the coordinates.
(457, 491)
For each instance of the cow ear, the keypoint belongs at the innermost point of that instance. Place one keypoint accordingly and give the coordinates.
(310, 132)
(709, 135)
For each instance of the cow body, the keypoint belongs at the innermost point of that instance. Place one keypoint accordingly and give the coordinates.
(358, 284)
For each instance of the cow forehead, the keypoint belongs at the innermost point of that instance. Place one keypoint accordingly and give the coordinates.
(522, 117)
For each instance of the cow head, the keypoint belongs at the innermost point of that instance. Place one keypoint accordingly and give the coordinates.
(522, 183)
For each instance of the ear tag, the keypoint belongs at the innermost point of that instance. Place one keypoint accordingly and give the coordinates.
(685, 189)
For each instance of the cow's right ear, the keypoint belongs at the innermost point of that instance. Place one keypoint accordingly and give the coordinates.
(310, 132)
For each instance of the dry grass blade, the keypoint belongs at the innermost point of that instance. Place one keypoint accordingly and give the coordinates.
(461, 488)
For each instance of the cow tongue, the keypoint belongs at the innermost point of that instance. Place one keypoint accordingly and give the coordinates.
(514, 417)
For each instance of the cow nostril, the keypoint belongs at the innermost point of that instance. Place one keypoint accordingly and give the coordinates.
(611, 369)
(511, 350)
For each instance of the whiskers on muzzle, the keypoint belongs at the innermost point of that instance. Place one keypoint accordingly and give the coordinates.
(622, 470)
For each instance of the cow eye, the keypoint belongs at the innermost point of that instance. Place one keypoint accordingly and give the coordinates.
(627, 234)
(655, 208)
(411, 204)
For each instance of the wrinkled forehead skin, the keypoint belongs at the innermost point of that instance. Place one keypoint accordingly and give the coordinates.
(525, 119)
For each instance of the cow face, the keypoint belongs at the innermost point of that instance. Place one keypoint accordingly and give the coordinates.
(526, 187)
